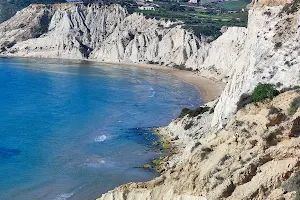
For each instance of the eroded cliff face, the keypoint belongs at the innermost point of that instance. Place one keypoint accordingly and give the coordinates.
(251, 154)
(255, 157)
(102, 33)
(266, 51)
(142, 40)
(269, 54)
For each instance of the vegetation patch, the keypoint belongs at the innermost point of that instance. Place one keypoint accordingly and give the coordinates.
(262, 92)
(291, 7)
(235, 5)
(207, 22)
(295, 104)
(158, 163)
(193, 113)
(268, 91)
(43, 25)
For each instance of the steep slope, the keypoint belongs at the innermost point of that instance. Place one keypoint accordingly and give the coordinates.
(73, 30)
(253, 154)
(269, 55)
(266, 51)
(143, 40)
(215, 59)
(8, 8)
(255, 157)
(104, 33)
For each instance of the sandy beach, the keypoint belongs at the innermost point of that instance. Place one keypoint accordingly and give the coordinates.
(209, 89)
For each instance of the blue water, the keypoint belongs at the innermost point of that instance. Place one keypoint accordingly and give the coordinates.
(76, 130)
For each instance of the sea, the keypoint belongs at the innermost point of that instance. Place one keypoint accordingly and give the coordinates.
(77, 129)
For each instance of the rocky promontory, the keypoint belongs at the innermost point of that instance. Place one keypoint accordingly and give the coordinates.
(224, 151)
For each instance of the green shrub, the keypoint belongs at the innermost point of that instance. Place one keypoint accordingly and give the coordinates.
(158, 162)
(193, 113)
(295, 104)
(263, 92)
(290, 7)
(43, 25)
(184, 112)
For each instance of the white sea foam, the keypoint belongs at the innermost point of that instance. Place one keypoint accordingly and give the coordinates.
(64, 196)
(152, 95)
(100, 138)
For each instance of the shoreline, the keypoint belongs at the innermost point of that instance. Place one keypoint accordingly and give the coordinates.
(209, 89)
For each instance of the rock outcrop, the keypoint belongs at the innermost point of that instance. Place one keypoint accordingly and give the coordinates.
(256, 156)
(267, 51)
(8, 8)
(269, 55)
(251, 154)
(97, 32)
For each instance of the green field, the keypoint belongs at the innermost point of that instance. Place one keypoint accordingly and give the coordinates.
(234, 5)
(199, 21)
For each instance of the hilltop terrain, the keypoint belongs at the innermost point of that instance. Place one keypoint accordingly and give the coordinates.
(9, 7)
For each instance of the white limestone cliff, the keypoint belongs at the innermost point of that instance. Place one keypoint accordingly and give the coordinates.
(266, 51)
(255, 157)
(102, 33)
(255, 154)
(269, 54)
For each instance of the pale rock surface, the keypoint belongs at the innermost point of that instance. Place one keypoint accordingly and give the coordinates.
(256, 156)
(269, 54)
(253, 154)
(73, 31)
(19, 27)
(142, 40)
(214, 60)
(101, 33)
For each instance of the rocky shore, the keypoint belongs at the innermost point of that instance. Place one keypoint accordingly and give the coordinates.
(224, 150)
(252, 153)
(256, 156)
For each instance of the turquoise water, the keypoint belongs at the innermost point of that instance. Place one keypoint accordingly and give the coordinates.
(76, 130)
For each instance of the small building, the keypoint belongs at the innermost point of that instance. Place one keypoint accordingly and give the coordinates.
(147, 8)
(193, 1)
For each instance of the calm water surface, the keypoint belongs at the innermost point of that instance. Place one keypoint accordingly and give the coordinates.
(76, 130)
